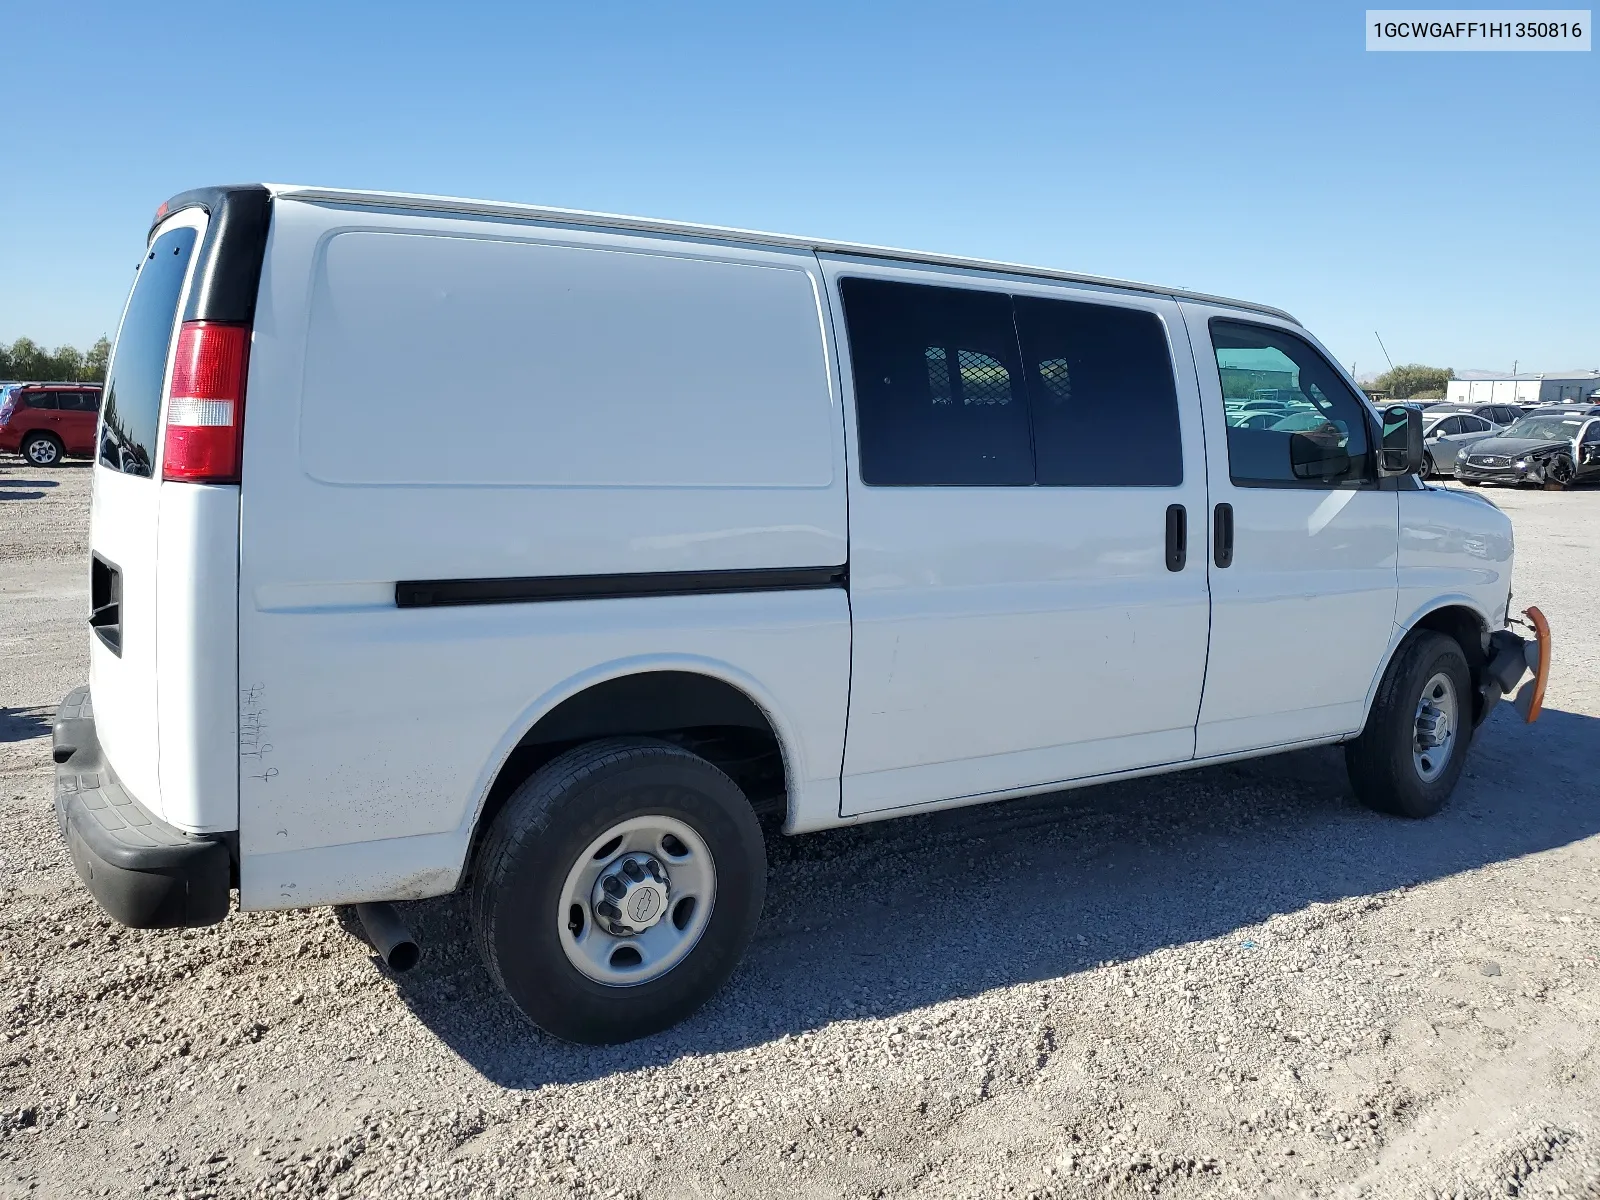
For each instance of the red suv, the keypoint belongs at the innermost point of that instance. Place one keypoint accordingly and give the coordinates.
(44, 422)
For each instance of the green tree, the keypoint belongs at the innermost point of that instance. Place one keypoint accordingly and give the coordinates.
(26, 359)
(67, 363)
(98, 358)
(1411, 381)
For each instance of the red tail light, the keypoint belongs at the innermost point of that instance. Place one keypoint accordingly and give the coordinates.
(205, 408)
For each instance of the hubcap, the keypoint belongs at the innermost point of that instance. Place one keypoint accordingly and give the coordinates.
(637, 900)
(631, 895)
(42, 453)
(1435, 735)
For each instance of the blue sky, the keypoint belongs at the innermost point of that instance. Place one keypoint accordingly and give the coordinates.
(1447, 201)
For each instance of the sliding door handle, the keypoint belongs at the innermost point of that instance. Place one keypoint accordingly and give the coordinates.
(1177, 537)
(1222, 535)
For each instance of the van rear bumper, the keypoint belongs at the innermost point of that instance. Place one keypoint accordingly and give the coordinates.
(140, 870)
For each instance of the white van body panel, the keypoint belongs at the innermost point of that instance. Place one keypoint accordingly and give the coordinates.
(406, 759)
(1307, 608)
(123, 530)
(197, 579)
(999, 632)
(136, 705)
(451, 398)
(1456, 548)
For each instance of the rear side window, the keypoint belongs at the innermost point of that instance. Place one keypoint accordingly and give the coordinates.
(940, 399)
(42, 400)
(1105, 407)
(966, 388)
(139, 362)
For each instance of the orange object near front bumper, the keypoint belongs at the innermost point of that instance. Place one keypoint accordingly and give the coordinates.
(1533, 705)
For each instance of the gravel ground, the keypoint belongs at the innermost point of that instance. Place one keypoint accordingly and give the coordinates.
(1228, 982)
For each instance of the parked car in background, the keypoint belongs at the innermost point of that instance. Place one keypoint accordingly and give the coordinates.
(1556, 450)
(1498, 414)
(1567, 410)
(1445, 434)
(46, 422)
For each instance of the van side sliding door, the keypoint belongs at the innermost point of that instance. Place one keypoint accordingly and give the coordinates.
(1027, 538)
(1303, 582)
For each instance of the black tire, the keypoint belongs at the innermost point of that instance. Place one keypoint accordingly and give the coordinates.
(1473, 482)
(43, 449)
(1560, 474)
(1429, 467)
(535, 841)
(1381, 765)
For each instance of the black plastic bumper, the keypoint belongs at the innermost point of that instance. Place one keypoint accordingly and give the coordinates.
(1506, 475)
(142, 871)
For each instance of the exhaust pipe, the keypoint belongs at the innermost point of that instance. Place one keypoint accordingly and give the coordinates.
(389, 935)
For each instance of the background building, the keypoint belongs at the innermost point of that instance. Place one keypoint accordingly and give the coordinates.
(1569, 387)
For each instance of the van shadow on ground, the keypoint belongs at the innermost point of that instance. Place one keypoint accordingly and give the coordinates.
(24, 489)
(881, 919)
(21, 724)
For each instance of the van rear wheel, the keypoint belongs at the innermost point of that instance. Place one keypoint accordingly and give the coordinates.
(618, 889)
(1412, 751)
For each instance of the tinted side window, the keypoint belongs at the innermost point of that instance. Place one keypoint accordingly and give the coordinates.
(1321, 438)
(73, 401)
(939, 394)
(1450, 425)
(1100, 386)
(139, 362)
(42, 400)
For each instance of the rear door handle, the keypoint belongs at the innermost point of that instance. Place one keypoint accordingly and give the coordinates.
(1222, 535)
(1177, 537)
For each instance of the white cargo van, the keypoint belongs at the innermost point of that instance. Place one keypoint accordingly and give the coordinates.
(441, 544)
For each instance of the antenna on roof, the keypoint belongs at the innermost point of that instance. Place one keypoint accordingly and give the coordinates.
(1384, 348)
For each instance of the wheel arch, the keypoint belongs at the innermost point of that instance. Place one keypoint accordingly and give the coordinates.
(48, 434)
(706, 705)
(1457, 617)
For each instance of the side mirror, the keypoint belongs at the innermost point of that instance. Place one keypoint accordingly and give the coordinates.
(1317, 457)
(1400, 452)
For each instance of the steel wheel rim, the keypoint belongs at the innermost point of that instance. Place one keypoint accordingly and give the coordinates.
(1433, 738)
(645, 955)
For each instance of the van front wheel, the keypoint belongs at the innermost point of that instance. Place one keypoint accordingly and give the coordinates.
(1412, 751)
(618, 888)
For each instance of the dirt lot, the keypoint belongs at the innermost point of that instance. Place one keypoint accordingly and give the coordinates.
(1230, 982)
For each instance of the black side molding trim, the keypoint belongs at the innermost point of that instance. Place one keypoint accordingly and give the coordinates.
(438, 593)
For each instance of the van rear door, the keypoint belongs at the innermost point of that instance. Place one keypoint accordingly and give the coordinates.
(164, 526)
(125, 510)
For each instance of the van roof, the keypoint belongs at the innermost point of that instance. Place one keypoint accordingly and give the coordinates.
(570, 216)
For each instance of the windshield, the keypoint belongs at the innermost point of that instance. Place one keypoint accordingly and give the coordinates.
(1548, 429)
